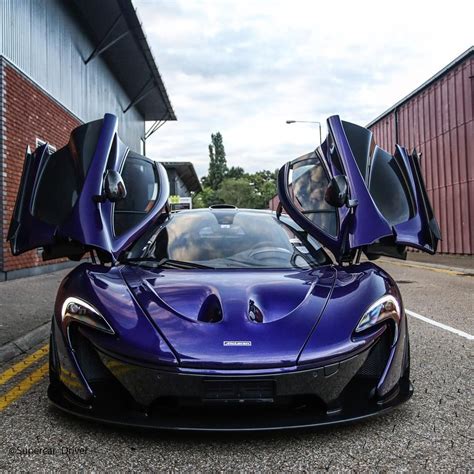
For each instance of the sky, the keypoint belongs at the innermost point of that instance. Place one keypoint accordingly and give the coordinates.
(245, 67)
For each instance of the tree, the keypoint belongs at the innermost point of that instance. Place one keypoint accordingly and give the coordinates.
(217, 162)
(263, 187)
(236, 172)
(238, 192)
(207, 197)
(234, 185)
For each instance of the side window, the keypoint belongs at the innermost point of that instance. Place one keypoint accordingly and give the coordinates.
(388, 188)
(141, 181)
(61, 180)
(308, 183)
(362, 145)
(58, 188)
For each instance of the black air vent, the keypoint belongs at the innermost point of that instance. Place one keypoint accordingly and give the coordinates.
(238, 390)
(222, 206)
(211, 310)
(378, 357)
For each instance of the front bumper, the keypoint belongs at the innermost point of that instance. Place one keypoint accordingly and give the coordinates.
(261, 419)
(124, 393)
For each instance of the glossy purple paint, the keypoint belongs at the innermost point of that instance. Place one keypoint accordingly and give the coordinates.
(353, 230)
(105, 289)
(91, 222)
(314, 329)
(309, 316)
(291, 303)
(422, 230)
(362, 224)
(365, 211)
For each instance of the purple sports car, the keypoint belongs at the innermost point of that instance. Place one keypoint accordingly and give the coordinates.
(226, 318)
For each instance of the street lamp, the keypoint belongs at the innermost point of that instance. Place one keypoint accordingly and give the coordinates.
(309, 121)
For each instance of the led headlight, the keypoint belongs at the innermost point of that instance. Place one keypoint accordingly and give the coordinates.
(383, 309)
(80, 311)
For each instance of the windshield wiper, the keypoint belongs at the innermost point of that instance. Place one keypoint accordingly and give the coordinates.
(165, 262)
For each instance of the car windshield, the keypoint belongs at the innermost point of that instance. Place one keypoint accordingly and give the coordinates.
(231, 239)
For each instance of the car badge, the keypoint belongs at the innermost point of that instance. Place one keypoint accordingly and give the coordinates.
(237, 343)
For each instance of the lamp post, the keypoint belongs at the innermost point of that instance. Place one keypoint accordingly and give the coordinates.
(309, 121)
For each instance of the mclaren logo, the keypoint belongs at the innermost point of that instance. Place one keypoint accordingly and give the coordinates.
(237, 343)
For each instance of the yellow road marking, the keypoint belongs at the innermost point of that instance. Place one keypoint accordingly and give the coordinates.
(23, 386)
(423, 267)
(23, 364)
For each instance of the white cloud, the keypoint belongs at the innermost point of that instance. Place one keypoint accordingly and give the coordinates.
(244, 67)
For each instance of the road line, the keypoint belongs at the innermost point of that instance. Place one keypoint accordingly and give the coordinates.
(23, 386)
(440, 325)
(424, 267)
(23, 364)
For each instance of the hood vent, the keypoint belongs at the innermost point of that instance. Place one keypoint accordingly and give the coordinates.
(211, 310)
(254, 313)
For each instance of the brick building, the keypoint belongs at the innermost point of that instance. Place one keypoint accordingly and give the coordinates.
(61, 64)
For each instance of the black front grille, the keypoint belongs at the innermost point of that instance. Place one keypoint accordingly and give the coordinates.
(86, 356)
(238, 390)
(378, 358)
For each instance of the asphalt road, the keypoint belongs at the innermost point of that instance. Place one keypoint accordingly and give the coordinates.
(26, 303)
(433, 431)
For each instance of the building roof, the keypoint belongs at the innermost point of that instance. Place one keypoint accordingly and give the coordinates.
(186, 172)
(116, 31)
(431, 80)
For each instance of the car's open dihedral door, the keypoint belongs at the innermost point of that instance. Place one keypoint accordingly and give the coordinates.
(386, 207)
(62, 203)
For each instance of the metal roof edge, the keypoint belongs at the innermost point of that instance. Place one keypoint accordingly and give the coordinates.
(189, 166)
(130, 13)
(431, 80)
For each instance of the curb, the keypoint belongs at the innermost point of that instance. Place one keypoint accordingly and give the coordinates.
(24, 343)
(415, 263)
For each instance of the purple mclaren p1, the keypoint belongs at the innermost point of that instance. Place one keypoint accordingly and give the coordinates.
(226, 318)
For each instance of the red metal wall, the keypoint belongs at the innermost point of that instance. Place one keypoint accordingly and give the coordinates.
(273, 203)
(438, 121)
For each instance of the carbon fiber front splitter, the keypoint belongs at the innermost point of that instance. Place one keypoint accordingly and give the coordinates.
(232, 419)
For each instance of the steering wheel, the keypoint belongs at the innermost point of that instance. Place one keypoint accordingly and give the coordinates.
(265, 248)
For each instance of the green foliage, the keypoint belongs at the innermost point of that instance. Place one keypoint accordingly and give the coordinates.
(207, 197)
(238, 192)
(236, 172)
(234, 185)
(217, 161)
(250, 191)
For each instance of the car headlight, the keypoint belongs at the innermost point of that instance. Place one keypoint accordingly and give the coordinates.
(78, 310)
(383, 309)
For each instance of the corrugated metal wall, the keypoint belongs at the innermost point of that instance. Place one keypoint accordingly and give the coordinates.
(41, 39)
(438, 121)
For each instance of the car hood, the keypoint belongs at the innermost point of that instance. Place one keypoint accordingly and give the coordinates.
(207, 316)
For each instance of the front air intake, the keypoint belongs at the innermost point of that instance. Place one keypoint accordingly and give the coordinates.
(223, 206)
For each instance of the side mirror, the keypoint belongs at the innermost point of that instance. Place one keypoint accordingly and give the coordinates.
(337, 191)
(114, 187)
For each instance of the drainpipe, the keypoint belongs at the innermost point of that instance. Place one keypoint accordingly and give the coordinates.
(396, 125)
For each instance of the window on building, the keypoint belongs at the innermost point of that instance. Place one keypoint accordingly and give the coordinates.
(40, 142)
